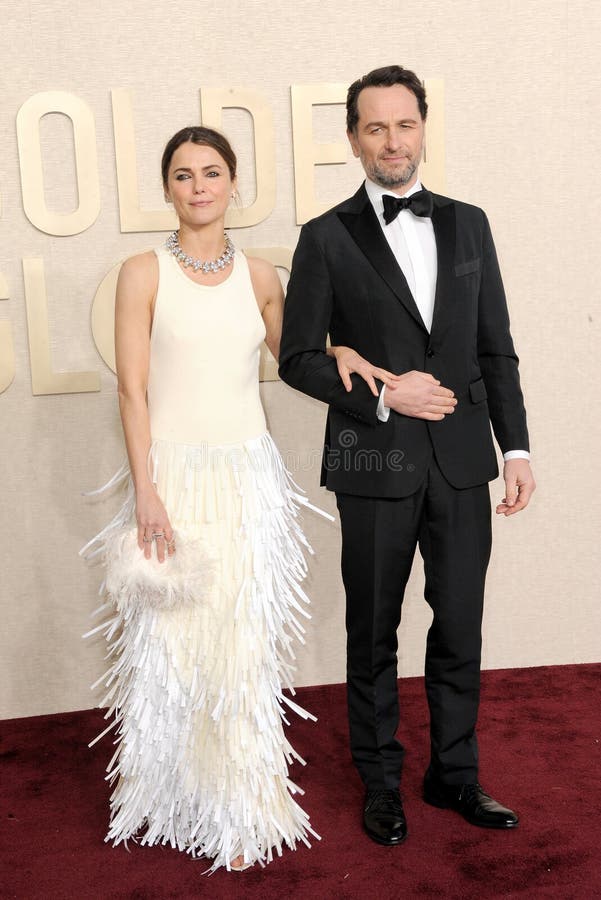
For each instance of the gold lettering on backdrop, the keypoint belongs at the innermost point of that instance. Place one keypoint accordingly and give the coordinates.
(103, 312)
(132, 218)
(30, 161)
(103, 317)
(7, 351)
(213, 101)
(307, 153)
(43, 379)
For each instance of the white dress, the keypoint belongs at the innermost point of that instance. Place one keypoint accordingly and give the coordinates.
(196, 691)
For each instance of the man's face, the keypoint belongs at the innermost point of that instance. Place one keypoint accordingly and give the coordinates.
(389, 136)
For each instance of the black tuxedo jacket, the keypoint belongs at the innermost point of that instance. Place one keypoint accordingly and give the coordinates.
(345, 282)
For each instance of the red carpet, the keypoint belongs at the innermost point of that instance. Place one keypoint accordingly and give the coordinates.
(540, 747)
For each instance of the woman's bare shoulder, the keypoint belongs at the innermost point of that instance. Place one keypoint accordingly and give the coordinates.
(140, 273)
(260, 268)
(142, 265)
(264, 277)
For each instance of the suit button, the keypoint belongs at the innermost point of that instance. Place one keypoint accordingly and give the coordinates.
(429, 352)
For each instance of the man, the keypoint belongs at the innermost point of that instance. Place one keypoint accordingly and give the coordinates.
(410, 280)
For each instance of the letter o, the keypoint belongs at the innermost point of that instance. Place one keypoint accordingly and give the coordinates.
(30, 162)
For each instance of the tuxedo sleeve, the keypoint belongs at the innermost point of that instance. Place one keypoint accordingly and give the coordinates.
(496, 354)
(308, 310)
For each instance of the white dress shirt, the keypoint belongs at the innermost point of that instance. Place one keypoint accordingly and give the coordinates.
(412, 241)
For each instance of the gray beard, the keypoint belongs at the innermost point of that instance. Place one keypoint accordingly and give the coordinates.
(387, 179)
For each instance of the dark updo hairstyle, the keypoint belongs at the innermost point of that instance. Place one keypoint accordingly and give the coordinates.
(387, 76)
(204, 137)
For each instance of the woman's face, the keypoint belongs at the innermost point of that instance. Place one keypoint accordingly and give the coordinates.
(198, 184)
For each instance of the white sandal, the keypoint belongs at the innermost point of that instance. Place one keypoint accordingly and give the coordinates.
(242, 867)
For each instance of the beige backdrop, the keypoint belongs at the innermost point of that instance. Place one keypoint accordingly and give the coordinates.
(521, 107)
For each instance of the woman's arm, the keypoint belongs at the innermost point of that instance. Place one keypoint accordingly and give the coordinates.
(349, 361)
(270, 298)
(136, 292)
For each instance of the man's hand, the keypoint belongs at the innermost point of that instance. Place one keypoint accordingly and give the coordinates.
(421, 396)
(519, 487)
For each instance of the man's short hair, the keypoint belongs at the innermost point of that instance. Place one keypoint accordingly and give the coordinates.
(387, 76)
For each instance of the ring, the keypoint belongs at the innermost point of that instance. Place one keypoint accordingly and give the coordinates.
(157, 534)
(147, 540)
(170, 543)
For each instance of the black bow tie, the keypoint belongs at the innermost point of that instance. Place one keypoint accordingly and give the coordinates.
(420, 204)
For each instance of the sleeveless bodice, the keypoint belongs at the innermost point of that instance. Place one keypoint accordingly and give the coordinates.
(203, 383)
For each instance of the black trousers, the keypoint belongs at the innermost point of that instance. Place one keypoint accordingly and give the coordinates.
(379, 537)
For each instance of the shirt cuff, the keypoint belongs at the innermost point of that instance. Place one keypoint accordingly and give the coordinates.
(516, 454)
(382, 412)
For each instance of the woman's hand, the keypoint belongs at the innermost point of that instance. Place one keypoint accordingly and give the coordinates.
(153, 525)
(349, 361)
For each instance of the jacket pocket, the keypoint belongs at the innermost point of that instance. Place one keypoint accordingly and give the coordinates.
(477, 391)
(471, 265)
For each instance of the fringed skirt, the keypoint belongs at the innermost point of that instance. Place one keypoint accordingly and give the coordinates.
(194, 688)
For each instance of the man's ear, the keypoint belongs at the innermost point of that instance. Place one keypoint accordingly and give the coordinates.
(353, 142)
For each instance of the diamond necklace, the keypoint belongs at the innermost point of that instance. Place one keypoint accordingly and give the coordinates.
(215, 265)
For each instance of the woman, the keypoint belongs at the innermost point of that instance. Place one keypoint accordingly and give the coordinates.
(195, 684)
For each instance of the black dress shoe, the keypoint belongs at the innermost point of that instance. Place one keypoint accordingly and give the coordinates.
(470, 801)
(384, 818)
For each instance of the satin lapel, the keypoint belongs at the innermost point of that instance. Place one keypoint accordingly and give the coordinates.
(364, 228)
(443, 221)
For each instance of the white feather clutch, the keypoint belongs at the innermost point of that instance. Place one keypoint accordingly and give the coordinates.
(134, 582)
